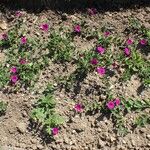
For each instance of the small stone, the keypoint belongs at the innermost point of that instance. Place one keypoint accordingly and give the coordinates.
(112, 139)
(55, 84)
(123, 141)
(86, 148)
(99, 129)
(66, 140)
(101, 143)
(148, 144)
(143, 130)
(74, 131)
(103, 97)
(24, 114)
(148, 136)
(3, 25)
(40, 146)
(147, 9)
(33, 141)
(34, 147)
(133, 142)
(21, 127)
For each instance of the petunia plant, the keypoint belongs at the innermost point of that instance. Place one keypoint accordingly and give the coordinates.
(44, 114)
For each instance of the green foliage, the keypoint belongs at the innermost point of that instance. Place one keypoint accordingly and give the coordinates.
(3, 107)
(60, 47)
(44, 113)
(118, 113)
(137, 65)
(142, 120)
(31, 52)
(129, 105)
(4, 76)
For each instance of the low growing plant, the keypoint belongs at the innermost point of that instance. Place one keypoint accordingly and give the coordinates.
(60, 47)
(44, 113)
(3, 107)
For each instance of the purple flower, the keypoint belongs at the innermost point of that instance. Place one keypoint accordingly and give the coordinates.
(78, 107)
(100, 49)
(18, 13)
(129, 42)
(117, 101)
(143, 42)
(107, 33)
(110, 105)
(22, 61)
(77, 28)
(92, 11)
(3, 36)
(94, 61)
(14, 78)
(127, 51)
(23, 40)
(13, 70)
(44, 27)
(101, 70)
(55, 131)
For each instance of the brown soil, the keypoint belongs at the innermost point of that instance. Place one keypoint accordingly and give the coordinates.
(80, 132)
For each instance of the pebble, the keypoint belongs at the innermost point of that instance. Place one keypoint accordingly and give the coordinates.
(147, 9)
(103, 97)
(21, 127)
(123, 141)
(133, 142)
(33, 141)
(148, 136)
(40, 146)
(101, 143)
(112, 138)
(99, 130)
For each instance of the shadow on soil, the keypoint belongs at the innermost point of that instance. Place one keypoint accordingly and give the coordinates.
(70, 6)
(37, 130)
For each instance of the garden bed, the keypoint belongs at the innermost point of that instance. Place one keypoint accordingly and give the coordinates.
(76, 81)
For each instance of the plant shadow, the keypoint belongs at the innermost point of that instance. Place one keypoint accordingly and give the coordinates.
(38, 131)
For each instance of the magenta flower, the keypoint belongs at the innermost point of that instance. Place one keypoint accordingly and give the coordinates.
(18, 13)
(100, 49)
(77, 28)
(4, 36)
(129, 42)
(101, 70)
(92, 11)
(23, 40)
(44, 27)
(22, 61)
(127, 51)
(13, 70)
(107, 33)
(55, 131)
(110, 105)
(143, 42)
(78, 107)
(14, 78)
(94, 61)
(117, 101)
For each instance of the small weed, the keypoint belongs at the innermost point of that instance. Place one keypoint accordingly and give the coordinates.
(3, 107)
(44, 113)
